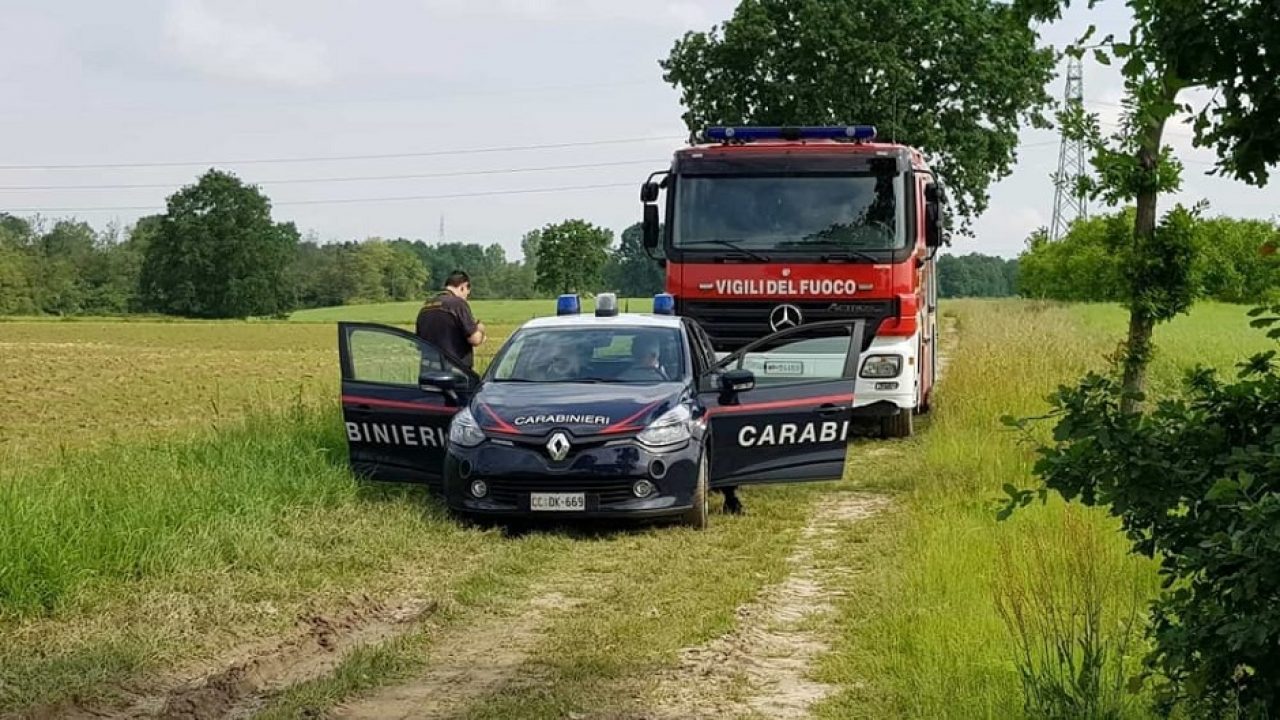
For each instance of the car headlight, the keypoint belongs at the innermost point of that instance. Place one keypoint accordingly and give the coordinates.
(882, 366)
(670, 428)
(464, 430)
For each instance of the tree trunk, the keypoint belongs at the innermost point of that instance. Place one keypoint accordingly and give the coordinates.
(1138, 345)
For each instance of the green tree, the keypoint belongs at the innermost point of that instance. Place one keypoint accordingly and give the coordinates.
(792, 62)
(975, 275)
(1226, 47)
(1085, 265)
(630, 271)
(1194, 482)
(571, 256)
(217, 253)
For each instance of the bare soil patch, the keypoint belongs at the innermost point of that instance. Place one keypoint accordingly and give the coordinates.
(467, 663)
(762, 666)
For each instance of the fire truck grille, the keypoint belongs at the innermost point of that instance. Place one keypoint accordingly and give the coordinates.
(732, 324)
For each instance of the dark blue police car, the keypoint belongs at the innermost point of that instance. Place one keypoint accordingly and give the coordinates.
(600, 415)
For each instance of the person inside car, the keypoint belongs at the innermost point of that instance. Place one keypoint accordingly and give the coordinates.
(645, 360)
(562, 362)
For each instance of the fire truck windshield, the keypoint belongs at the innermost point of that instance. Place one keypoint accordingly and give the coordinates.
(792, 213)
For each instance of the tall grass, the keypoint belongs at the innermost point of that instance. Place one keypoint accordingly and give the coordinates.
(145, 510)
(923, 635)
(1075, 622)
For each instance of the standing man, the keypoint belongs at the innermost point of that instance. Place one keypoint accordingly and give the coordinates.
(446, 320)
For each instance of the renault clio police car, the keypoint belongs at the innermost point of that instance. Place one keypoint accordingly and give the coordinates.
(600, 415)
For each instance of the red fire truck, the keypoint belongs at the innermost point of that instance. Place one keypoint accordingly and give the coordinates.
(766, 227)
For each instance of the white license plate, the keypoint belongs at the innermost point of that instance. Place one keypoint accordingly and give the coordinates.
(783, 367)
(572, 502)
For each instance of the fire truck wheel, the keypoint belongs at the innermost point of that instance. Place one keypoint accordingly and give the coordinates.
(898, 426)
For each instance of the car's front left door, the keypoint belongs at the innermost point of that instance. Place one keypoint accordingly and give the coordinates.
(395, 420)
(792, 425)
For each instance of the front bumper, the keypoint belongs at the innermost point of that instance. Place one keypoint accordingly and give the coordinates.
(605, 472)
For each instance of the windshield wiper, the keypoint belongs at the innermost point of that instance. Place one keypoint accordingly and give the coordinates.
(849, 255)
(734, 246)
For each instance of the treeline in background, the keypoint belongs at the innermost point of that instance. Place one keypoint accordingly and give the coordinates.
(216, 253)
(1235, 260)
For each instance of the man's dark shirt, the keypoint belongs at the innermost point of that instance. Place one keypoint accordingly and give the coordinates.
(446, 322)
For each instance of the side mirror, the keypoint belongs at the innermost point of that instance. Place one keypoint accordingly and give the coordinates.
(649, 192)
(736, 381)
(650, 227)
(935, 221)
(445, 382)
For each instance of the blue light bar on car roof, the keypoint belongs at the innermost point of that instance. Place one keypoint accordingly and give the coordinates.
(568, 305)
(829, 132)
(664, 304)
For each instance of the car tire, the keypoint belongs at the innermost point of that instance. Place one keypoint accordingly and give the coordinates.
(698, 516)
(898, 426)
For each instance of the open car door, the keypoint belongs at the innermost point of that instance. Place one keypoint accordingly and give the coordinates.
(779, 409)
(399, 394)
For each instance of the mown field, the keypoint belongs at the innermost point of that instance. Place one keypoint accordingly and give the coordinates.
(174, 492)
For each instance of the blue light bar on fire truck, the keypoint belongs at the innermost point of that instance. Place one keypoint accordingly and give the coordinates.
(568, 305)
(831, 132)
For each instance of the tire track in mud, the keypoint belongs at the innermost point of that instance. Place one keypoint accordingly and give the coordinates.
(467, 663)
(244, 679)
(762, 666)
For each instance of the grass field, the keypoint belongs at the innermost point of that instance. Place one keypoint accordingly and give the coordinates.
(175, 526)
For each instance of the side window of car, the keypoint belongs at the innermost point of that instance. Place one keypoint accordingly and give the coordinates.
(387, 357)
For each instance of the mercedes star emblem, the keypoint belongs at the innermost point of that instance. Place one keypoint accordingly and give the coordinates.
(558, 446)
(785, 316)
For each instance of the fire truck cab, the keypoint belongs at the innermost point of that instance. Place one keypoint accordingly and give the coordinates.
(764, 228)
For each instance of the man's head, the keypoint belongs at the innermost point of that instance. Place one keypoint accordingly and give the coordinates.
(458, 283)
(563, 362)
(644, 351)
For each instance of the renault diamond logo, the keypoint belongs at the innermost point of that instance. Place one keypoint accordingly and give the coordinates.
(785, 316)
(558, 446)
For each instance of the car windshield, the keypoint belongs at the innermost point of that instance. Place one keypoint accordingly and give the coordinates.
(822, 214)
(620, 354)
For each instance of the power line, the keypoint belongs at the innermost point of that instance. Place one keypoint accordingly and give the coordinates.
(338, 158)
(356, 178)
(344, 201)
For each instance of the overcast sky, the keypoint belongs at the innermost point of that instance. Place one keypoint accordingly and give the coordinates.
(219, 82)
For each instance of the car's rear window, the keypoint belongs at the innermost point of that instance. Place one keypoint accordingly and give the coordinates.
(603, 354)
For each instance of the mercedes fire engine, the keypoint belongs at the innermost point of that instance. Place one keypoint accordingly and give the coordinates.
(766, 228)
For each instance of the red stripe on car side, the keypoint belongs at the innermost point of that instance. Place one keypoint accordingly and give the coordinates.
(774, 404)
(379, 402)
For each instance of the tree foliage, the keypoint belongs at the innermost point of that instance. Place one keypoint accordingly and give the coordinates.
(67, 268)
(1194, 481)
(629, 271)
(571, 256)
(1226, 46)
(791, 62)
(1088, 264)
(218, 254)
(976, 275)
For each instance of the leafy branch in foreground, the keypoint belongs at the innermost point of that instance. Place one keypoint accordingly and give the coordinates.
(1195, 482)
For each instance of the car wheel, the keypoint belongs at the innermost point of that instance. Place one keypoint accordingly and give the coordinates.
(898, 426)
(697, 516)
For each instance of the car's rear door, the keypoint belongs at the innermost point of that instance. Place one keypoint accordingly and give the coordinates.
(793, 425)
(397, 427)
